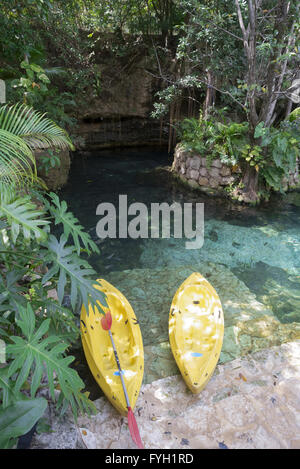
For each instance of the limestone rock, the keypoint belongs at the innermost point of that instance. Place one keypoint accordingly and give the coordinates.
(193, 184)
(194, 174)
(214, 182)
(214, 172)
(216, 164)
(239, 408)
(195, 163)
(227, 180)
(203, 181)
(225, 171)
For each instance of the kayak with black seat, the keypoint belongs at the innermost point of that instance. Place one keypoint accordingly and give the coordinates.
(196, 330)
(99, 351)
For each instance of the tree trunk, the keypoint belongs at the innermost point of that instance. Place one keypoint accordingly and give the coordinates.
(210, 95)
(250, 181)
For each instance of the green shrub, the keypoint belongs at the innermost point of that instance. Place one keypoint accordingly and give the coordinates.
(273, 154)
(37, 329)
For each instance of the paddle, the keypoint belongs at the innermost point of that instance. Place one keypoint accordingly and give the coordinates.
(106, 322)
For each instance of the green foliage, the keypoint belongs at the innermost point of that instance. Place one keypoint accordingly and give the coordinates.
(18, 419)
(283, 146)
(59, 210)
(33, 127)
(67, 265)
(49, 160)
(294, 115)
(38, 353)
(36, 328)
(36, 90)
(22, 129)
(16, 160)
(34, 83)
(22, 216)
(214, 139)
(273, 155)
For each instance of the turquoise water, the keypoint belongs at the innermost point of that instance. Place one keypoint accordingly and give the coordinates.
(261, 246)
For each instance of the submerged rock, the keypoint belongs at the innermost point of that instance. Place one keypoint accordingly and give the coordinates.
(249, 324)
(236, 246)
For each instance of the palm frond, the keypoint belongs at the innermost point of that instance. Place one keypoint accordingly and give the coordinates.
(36, 130)
(17, 162)
(22, 214)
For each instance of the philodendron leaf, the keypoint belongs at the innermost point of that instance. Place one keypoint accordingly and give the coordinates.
(38, 353)
(59, 210)
(69, 266)
(18, 418)
(9, 395)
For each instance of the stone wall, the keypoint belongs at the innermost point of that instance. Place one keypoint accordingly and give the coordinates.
(293, 180)
(192, 169)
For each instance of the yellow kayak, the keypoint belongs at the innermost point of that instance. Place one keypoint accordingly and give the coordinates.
(196, 330)
(99, 351)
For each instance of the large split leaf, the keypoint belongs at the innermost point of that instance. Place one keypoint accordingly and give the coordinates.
(68, 265)
(59, 210)
(37, 353)
(8, 394)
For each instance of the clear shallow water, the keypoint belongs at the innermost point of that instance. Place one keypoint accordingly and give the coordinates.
(261, 246)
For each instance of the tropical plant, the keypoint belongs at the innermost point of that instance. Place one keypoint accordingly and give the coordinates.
(214, 139)
(282, 147)
(272, 155)
(36, 328)
(22, 130)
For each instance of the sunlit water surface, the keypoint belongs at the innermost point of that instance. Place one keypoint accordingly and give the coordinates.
(261, 246)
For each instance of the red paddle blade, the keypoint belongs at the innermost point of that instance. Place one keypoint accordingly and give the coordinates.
(106, 321)
(133, 428)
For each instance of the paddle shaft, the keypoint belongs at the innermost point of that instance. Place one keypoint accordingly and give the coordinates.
(106, 322)
(120, 369)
